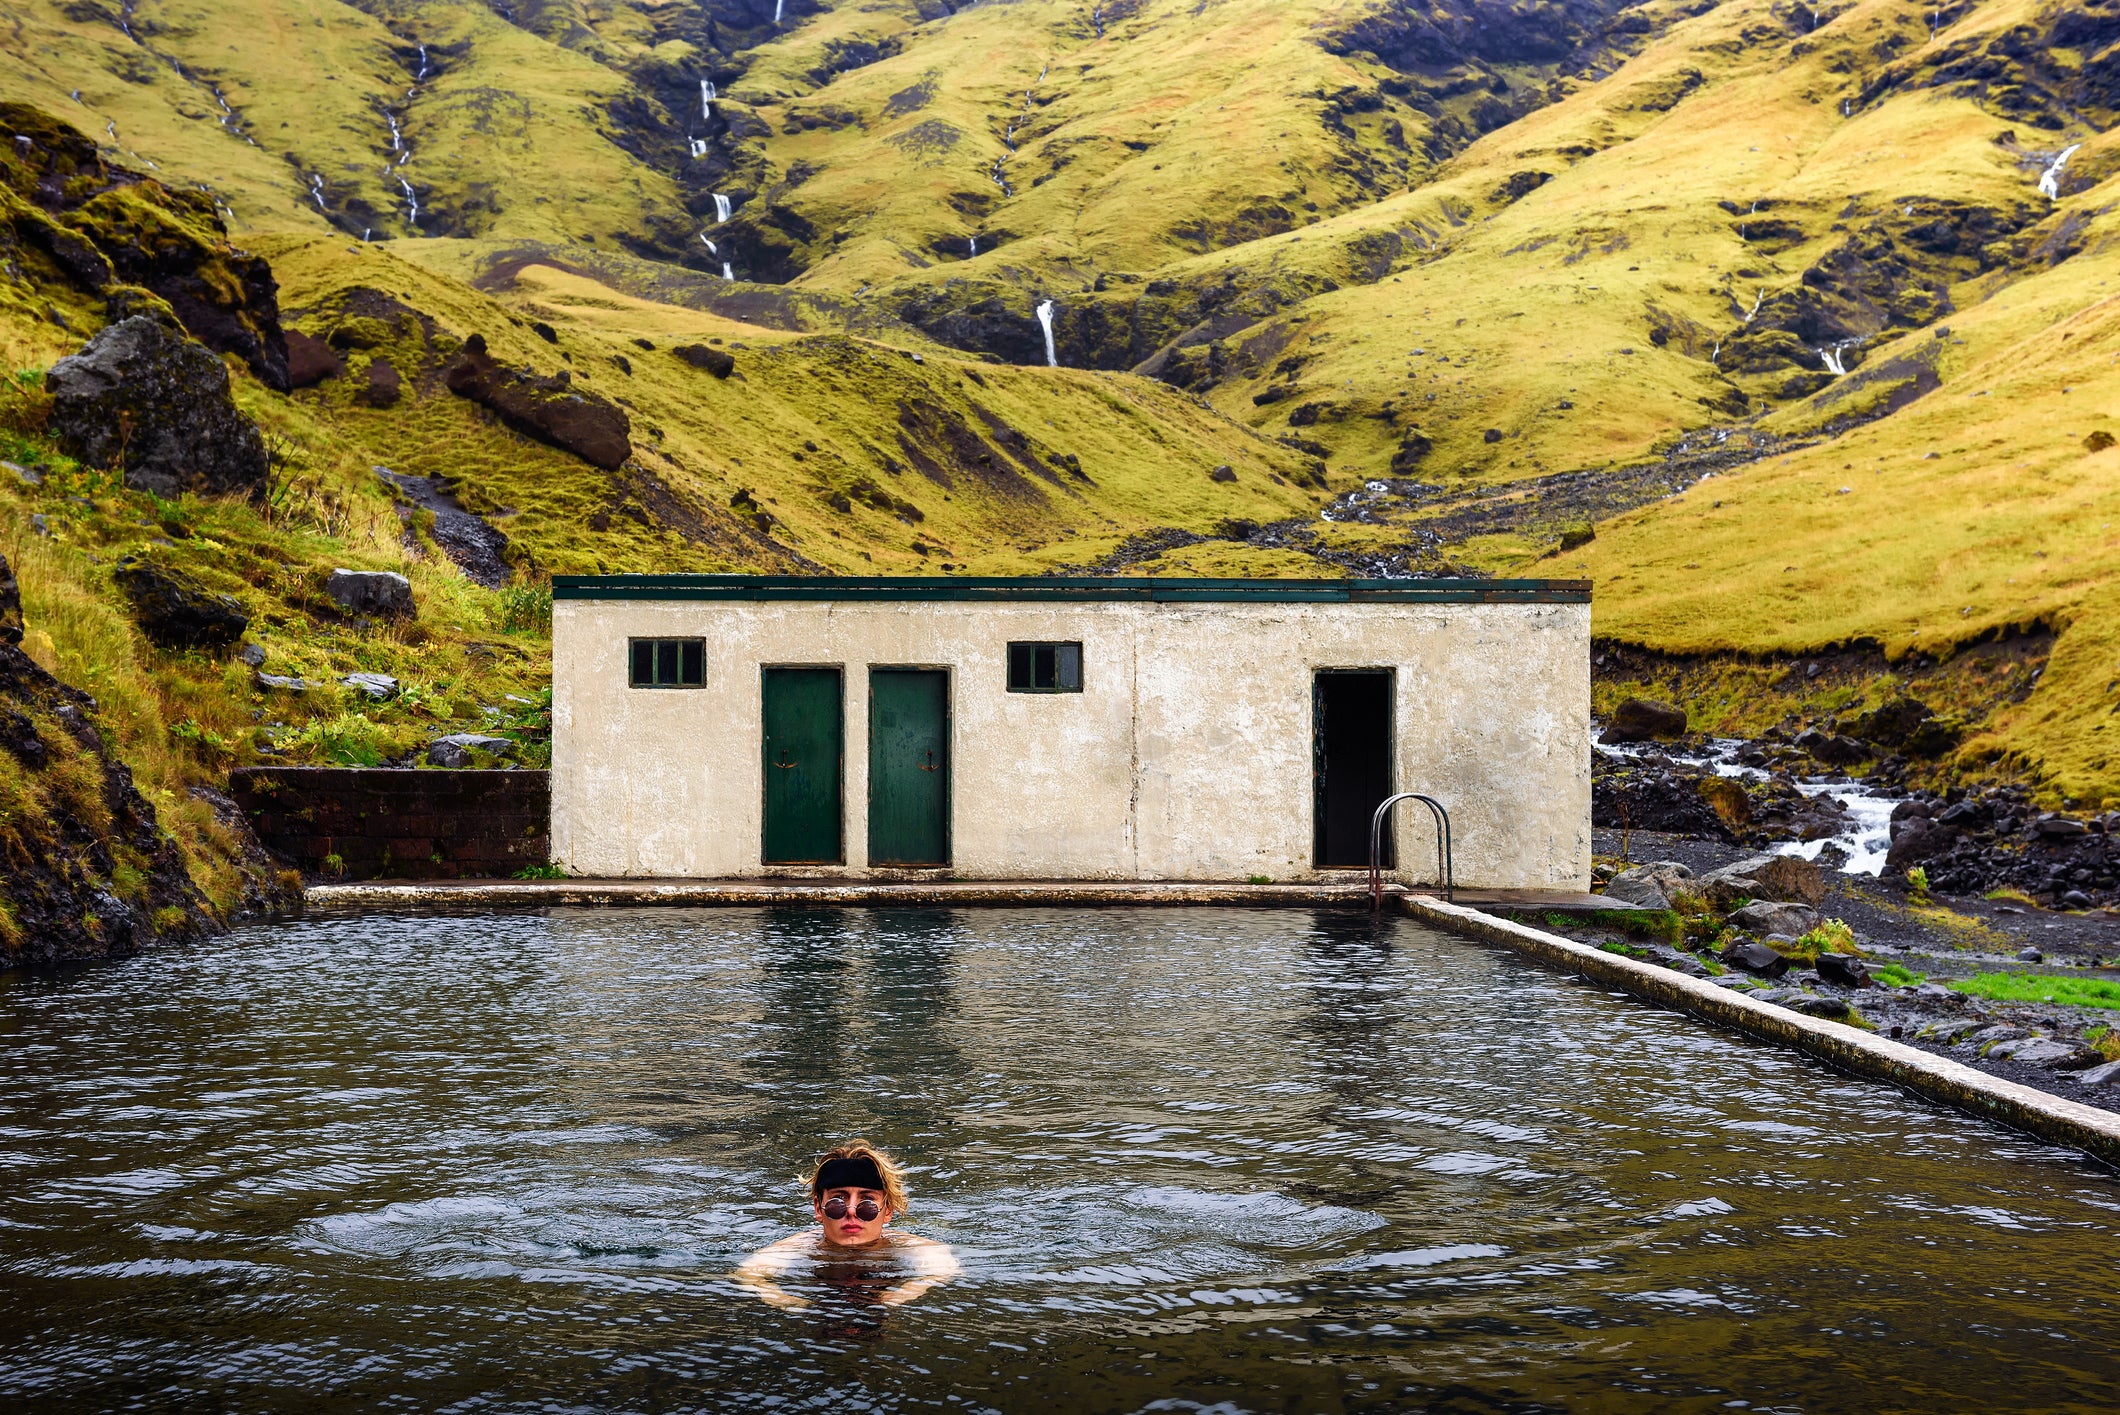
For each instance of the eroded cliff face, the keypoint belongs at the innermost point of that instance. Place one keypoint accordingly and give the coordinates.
(86, 870)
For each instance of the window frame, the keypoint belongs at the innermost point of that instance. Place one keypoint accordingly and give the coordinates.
(1059, 648)
(682, 649)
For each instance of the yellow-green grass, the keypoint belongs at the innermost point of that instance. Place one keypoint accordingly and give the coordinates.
(2035, 987)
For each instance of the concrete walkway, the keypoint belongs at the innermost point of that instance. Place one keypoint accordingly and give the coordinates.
(605, 893)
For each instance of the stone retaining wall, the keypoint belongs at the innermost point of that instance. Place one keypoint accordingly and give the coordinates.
(363, 823)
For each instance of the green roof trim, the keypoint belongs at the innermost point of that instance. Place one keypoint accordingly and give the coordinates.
(871, 588)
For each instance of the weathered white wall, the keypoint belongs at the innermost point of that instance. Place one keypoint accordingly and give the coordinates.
(1186, 756)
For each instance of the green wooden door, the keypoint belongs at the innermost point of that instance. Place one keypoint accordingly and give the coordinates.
(909, 767)
(803, 737)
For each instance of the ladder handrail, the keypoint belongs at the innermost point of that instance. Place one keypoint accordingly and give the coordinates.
(1442, 845)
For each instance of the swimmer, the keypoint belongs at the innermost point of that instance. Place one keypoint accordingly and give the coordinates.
(855, 1191)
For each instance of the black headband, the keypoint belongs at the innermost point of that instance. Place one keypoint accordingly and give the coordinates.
(857, 1172)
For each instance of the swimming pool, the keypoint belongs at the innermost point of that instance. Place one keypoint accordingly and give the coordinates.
(1191, 1158)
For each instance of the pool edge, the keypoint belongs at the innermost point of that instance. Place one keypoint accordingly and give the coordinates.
(2061, 1121)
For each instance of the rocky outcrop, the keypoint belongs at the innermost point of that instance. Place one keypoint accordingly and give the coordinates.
(143, 398)
(177, 613)
(86, 870)
(104, 227)
(1645, 720)
(310, 360)
(702, 356)
(548, 408)
(380, 592)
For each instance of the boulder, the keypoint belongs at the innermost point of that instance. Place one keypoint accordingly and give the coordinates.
(176, 612)
(1648, 886)
(2045, 1052)
(1754, 957)
(377, 687)
(383, 385)
(2059, 827)
(1841, 969)
(276, 682)
(705, 356)
(1812, 1005)
(469, 749)
(1793, 920)
(1917, 842)
(1831, 749)
(142, 398)
(1891, 724)
(1645, 720)
(310, 360)
(1790, 878)
(379, 592)
(2106, 1075)
(549, 409)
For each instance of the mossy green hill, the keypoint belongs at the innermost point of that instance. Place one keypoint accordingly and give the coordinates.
(1795, 322)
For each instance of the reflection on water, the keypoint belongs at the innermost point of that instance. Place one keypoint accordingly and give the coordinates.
(1279, 1160)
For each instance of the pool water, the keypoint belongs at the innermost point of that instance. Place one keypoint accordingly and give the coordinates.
(1190, 1160)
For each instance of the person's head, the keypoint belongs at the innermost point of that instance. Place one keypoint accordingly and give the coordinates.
(855, 1190)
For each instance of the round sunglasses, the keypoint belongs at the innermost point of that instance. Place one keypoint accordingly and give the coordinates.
(836, 1208)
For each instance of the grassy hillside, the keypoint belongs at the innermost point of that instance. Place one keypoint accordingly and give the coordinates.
(1762, 310)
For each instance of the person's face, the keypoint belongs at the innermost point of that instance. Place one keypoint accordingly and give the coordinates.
(850, 1229)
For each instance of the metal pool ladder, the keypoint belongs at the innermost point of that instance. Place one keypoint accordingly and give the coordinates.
(1442, 844)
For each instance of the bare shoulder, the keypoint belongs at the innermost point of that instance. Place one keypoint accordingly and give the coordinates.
(914, 1240)
(779, 1254)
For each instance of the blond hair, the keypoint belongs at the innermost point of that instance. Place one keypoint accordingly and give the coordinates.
(893, 1176)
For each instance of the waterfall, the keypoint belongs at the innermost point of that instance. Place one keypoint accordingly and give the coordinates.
(1831, 358)
(975, 245)
(364, 234)
(1045, 322)
(726, 272)
(706, 98)
(2050, 179)
(412, 201)
(721, 208)
(316, 189)
(778, 6)
(1756, 303)
(698, 146)
(709, 244)
(421, 76)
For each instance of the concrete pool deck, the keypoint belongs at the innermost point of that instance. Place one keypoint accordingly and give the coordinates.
(607, 893)
(1849, 1048)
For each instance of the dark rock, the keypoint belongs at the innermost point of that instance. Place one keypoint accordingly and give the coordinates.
(310, 360)
(1812, 1005)
(383, 385)
(1918, 842)
(1891, 724)
(176, 612)
(1754, 957)
(1223, 474)
(469, 749)
(2101, 1076)
(2030, 955)
(2075, 899)
(158, 405)
(1830, 749)
(380, 592)
(1492, 434)
(548, 409)
(10, 605)
(252, 655)
(1789, 878)
(1645, 720)
(2056, 827)
(1840, 968)
(544, 331)
(1764, 917)
(2046, 1053)
(718, 362)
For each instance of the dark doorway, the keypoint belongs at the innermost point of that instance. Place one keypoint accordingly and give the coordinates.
(1351, 715)
(803, 736)
(909, 766)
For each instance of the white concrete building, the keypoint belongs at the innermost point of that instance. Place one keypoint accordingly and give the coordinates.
(726, 726)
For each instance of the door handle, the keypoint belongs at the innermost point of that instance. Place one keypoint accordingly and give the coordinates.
(784, 764)
(929, 764)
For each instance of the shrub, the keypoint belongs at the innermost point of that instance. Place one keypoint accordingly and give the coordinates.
(544, 871)
(1918, 880)
(524, 607)
(1831, 936)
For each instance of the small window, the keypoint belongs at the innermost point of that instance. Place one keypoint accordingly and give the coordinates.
(669, 663)
(1045, 668)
